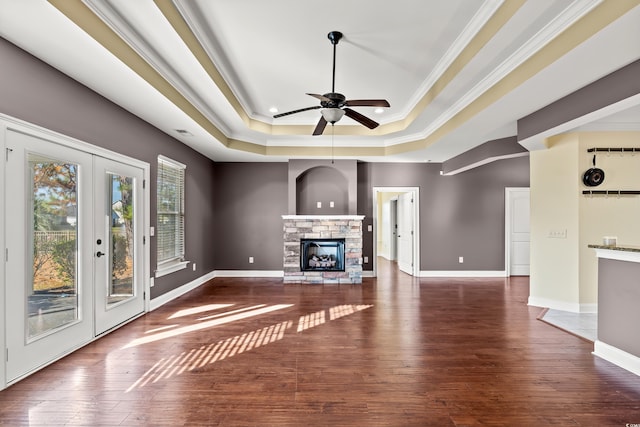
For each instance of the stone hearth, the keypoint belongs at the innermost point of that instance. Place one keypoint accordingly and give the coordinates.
(348, 227)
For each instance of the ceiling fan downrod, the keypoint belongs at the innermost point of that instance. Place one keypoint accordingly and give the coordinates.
(335, 37)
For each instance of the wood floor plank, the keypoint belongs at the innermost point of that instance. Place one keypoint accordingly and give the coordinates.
(394, 351)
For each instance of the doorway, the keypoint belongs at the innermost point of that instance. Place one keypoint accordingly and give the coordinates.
(76, 260)
(396, 227)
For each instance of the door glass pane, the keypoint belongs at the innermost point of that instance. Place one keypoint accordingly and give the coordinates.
(121, 286)
(52, 298)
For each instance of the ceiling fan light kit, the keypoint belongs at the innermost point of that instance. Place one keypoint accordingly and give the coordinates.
(332, 115)
(335, 105)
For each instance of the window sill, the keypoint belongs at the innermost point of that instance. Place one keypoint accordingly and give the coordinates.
(171, 268)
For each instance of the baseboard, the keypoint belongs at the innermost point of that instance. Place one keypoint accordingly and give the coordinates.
(588, 308)
(175, 293)
(572, 307)
(367, 273)
(249, 273)
(463, 273)
(616, 356)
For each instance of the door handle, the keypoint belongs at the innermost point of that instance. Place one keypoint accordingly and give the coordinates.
(99, 254)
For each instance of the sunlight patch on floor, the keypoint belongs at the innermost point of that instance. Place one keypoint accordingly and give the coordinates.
(193, 359)
(204, 325)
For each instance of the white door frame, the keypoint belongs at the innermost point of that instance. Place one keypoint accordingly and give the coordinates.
(17, 125)
(416, 224)
(508, 195)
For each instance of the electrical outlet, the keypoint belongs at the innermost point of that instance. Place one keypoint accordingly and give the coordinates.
(460, 259)
(318, 205)
(152, 231)
(366, 260)
(331, 204)
(370, 227)
(194, 266)
(250, 260)
(151, 282)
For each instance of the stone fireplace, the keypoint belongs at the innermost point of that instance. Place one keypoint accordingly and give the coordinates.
(321, 235)
(322, 203)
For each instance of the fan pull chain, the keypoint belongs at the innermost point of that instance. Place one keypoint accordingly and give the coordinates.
(332, 135)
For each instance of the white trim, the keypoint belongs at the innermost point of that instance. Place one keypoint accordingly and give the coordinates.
(170, 162)
(3, 319)
(572, 307)
(508, 194)
(249, 273)
(367, 273)
(463, 273)
(416, 219)
(616, 356)
(27, 128)
(171, 268)
(484, 162)
(177, 292)
(588, 308)
(618, 254)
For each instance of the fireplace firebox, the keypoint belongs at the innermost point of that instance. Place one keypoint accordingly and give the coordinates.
(322, 254)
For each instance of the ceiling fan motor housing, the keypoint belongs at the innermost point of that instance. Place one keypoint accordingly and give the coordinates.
(335, 100)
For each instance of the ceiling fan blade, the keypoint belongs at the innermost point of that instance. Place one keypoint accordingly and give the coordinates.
(322, 123)
(366, 121)
(297, 111)
(367, 103)
(320, 97)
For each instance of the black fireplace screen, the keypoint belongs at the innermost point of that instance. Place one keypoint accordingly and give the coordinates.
(322, 254)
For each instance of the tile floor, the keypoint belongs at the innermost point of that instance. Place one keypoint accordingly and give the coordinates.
(584, 325)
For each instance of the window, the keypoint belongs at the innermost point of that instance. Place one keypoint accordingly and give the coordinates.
(170, 221)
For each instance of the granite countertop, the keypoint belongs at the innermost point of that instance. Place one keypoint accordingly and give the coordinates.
(618, 247)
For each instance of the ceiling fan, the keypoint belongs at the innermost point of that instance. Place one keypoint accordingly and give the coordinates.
(335, 105)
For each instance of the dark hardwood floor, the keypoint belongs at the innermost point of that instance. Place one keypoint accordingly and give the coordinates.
(396, 351)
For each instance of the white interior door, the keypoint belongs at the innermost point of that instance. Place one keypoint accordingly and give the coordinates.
(393, 245)
(519, 237)
(118, 253)
(49, 252)
(405, 232)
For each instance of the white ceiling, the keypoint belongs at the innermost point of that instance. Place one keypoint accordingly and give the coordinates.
(454, 72)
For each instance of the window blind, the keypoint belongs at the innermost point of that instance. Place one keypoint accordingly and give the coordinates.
(170, 211)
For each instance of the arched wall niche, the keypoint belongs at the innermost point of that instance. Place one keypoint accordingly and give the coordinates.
(324, 181)
(322, 190)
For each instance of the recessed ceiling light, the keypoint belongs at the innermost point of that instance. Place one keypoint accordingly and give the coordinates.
(273, 109)
(379, 110)
(184, 132)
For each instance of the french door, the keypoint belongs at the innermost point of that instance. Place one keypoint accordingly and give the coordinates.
(118, 220)
(63, 288)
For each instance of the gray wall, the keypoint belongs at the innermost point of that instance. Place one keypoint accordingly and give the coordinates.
(322, 185)
(460, 215)
(618, 298)
(37, 93)
(250, 199)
